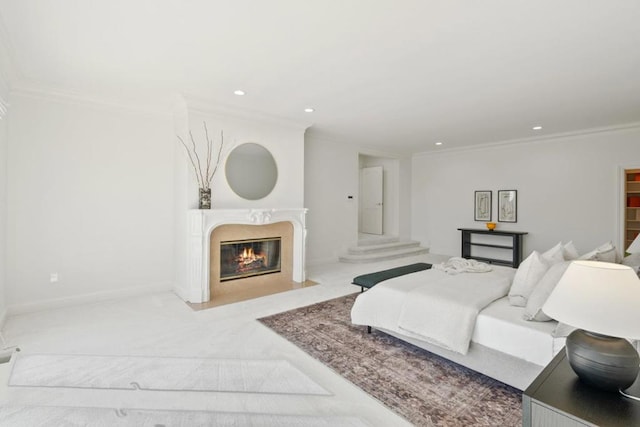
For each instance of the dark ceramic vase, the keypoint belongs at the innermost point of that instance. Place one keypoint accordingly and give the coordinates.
(601, 361)
(205, 199)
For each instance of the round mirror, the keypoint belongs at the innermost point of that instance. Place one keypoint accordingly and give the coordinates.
(251, 171)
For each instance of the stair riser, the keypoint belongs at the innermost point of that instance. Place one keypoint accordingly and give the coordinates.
(362, 250)
(375, 242)
(382, 257)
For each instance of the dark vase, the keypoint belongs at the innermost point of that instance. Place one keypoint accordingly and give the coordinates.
(205, 199)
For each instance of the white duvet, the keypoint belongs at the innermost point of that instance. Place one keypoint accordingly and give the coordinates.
(431, 305)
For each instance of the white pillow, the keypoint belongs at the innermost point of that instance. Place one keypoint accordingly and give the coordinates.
(541, 292)
(569, 251)
(605, 252)
(555, 254)
(607, 256)
(589, 256)
(527, 276)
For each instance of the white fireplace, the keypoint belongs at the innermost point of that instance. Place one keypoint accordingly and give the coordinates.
(201, 224)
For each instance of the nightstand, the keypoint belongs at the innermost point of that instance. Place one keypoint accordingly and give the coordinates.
(557, 398)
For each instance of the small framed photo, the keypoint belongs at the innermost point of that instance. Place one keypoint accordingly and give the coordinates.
(482, 206)
(507, 206)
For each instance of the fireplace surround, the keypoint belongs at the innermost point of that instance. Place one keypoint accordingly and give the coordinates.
(251, 285)
(201, 227)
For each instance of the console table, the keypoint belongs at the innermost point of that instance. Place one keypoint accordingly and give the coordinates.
(514, 247)
(557, 398)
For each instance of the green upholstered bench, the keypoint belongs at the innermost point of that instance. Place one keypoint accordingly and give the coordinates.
(372, 279)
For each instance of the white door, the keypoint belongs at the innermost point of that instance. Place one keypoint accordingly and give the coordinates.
(371, 181)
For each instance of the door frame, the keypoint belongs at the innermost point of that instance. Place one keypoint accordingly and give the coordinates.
(362, 208)
(392, 195)
(621, 203)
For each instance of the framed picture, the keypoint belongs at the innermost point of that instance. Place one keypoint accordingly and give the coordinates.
(482, 206)
(508, 206)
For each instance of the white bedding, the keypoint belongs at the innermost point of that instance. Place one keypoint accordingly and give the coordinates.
(499, 326)
(457, 265)
(431, 305)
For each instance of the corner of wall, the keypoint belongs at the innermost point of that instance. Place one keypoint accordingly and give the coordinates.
(181, 199)
(4, 105)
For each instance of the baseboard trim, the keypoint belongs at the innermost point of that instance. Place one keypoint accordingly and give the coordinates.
(94, 297)
(182, 292)
(320, 261)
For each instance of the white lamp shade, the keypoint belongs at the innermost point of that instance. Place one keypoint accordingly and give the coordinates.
(598, 297)
(634, 247)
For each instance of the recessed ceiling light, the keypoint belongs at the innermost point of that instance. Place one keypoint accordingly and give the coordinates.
(439, 143)
(239, 92)
(536, 127)
(309, 110)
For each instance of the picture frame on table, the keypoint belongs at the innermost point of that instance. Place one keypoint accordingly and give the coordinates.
(482, 206)
(507, 206)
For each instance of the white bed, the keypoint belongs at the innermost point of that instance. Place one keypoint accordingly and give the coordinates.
(502, 344)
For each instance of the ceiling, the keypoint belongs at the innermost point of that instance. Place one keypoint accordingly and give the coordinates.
(389, 75)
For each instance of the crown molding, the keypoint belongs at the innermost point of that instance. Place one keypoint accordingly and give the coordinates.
(48, 92)
(531, 140)
(208, 107)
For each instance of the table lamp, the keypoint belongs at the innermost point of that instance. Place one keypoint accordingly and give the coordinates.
(602, 300)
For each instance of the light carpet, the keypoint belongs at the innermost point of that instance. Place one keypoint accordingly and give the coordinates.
(161, 374)
(47, 416)
(426, 389)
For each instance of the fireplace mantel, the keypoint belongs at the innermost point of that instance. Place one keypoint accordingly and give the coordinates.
(201, 222)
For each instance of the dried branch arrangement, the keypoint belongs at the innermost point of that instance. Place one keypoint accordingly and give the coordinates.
(205, 176)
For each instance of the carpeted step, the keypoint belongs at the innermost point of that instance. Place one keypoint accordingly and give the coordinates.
(383, 256)
(372, 239)
(382, 247)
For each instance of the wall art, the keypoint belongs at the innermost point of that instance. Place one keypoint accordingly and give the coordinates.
(482, 206)
(508, 206)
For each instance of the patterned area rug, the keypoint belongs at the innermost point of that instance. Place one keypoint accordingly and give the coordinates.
(424, 388)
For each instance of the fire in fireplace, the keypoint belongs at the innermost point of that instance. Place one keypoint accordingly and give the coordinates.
(246, 258)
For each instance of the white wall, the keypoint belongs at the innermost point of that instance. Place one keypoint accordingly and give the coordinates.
(568, 189)
(331, 175)
(406, 184)
(90, 197)
(285, 142)
(3, 201)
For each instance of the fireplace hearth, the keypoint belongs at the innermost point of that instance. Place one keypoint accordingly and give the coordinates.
(252, 257)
